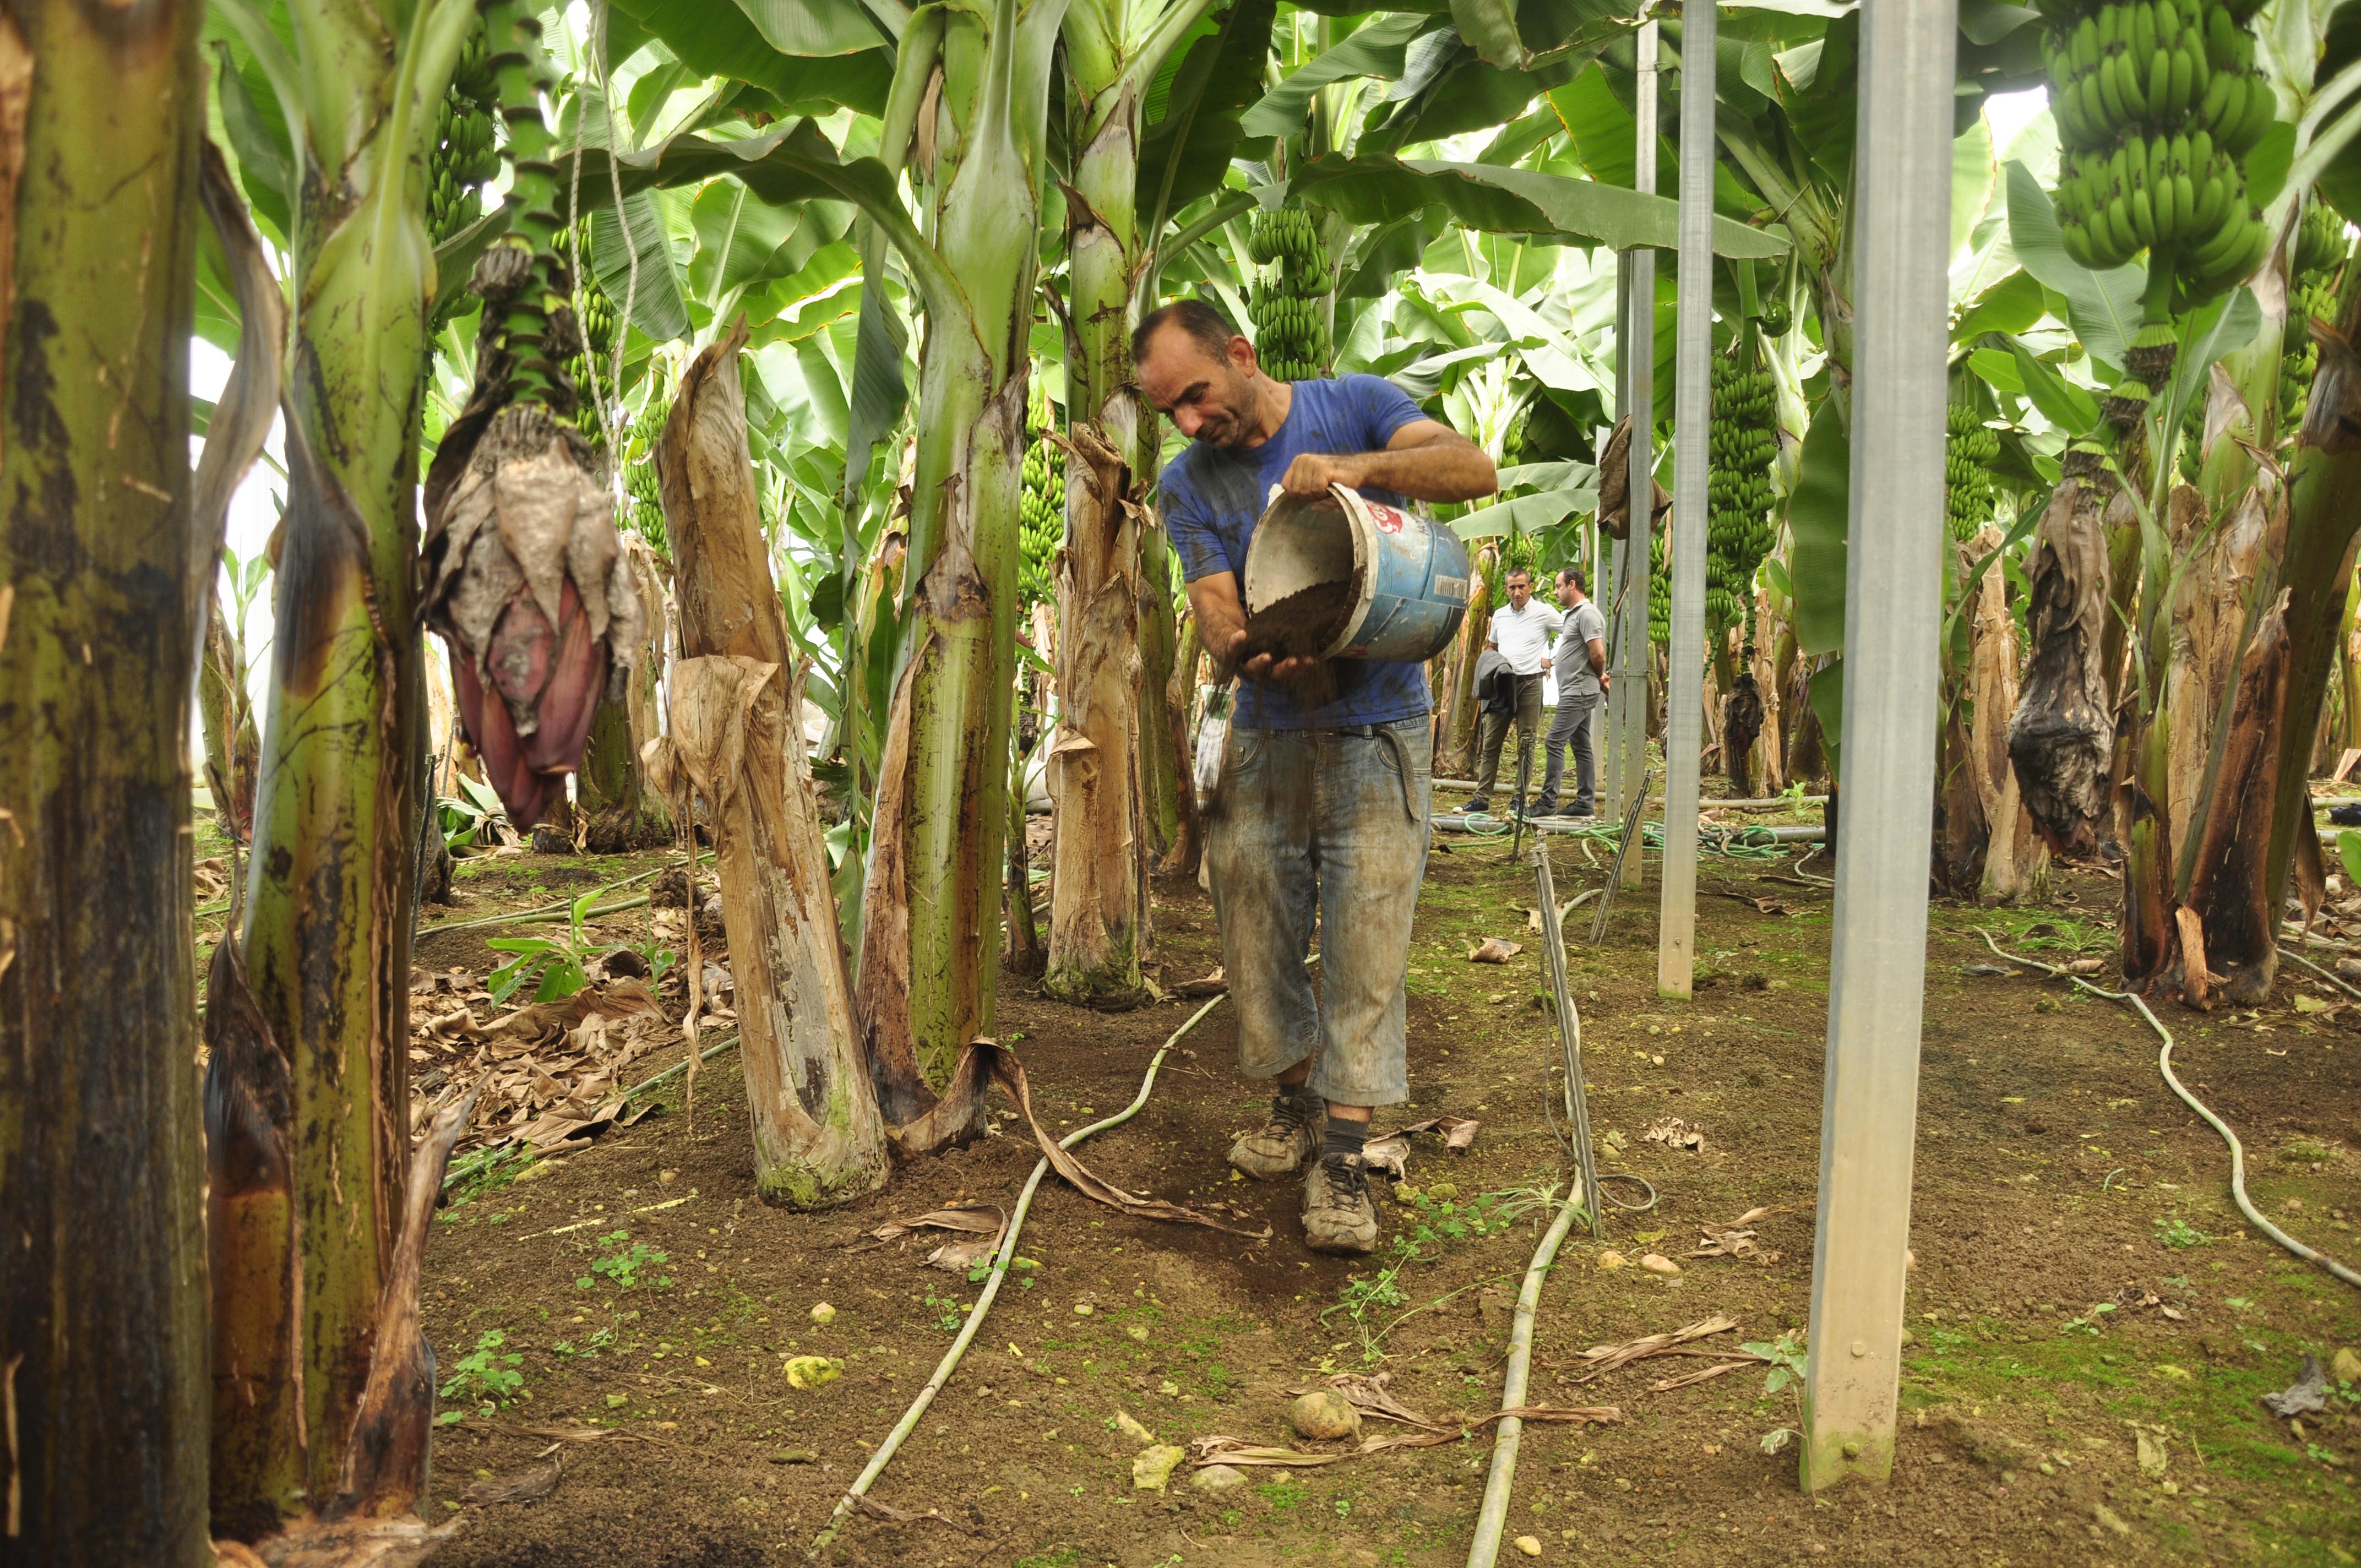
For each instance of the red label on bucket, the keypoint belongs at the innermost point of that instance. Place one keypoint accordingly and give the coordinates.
(1387, 520)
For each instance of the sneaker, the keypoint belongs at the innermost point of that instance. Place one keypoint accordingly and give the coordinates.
(1544, 808)
(1339, 1214)
(1477, 805)
(1296, 1124)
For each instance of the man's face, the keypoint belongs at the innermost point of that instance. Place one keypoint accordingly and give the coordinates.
(1210, 398)
(1569, 594)
(1520, 588)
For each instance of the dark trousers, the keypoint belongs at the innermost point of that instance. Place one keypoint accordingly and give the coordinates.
(1527, 717)
(1572, 727)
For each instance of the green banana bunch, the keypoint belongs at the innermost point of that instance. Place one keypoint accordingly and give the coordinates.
(1745, 440)
(1969, 448)
(2157, 103)
(2319, 252)
(464, 155)
(1043, 508)
(644, 515)
(1288, 308)
(1660, 588)
(595, 319)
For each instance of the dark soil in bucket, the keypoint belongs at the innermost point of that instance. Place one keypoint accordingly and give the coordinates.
(1301, 625)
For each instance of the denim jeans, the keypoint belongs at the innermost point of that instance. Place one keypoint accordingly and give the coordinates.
(1527, 718)
(1571, 728)
(1334, 821)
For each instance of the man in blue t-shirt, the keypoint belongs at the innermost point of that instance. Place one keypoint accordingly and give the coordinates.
(1324, 801)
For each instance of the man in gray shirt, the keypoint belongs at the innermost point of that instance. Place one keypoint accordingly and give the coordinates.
(1581, 681)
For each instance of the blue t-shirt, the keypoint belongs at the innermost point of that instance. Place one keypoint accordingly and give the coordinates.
(1213, 496)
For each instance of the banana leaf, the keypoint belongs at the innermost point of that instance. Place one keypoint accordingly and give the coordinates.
(1375, 189)
(1819, 517)
(2104, 308)
(1377, 49)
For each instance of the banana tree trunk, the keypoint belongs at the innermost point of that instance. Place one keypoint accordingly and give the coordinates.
(931, 913)
(1454, 741)
(1767, 776)
(1180, 713)
(1097, 777)
(325, 944)
(818, 1140)
(102, 1294)
(226, 714)
(2060, 737)
(611, 790)
(2323, 528)
(2016, 862)
(1165, 790)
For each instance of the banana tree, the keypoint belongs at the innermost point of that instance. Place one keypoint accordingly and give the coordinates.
(102, 603)
(971, 144)
(1115, 615)
(307, 1088)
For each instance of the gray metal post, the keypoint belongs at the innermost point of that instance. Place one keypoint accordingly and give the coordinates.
(1691, 417)
(1893, 601)
(1636, 354)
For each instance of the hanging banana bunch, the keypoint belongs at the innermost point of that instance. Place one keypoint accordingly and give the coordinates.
(1044, 508)
(1289, 302)
(1660, 587)
(595, 318)
(1738, 486)
(1970, 449)
(644, 516)
(465, 156)
(2157, 103)
(2320, 247)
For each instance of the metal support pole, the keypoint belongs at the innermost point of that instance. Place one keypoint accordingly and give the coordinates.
(1636, 354)
(1893, 602)
(1691, 417)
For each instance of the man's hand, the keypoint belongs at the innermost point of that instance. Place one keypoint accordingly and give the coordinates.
(1312, 473)
(1263, 668)
(1222, 622)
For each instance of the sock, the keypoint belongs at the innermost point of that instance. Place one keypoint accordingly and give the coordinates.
(1344, 1137)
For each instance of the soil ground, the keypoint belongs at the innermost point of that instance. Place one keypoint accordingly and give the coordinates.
(2081, 1280)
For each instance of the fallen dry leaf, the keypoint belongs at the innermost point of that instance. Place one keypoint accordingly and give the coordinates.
(1701, 1375)
(1604, 1358)
(1391, 1153)
(1495, 950)
(523, 1487)
(1673, 1133)
(1213, 984)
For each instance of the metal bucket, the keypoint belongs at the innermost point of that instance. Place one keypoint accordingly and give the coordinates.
(1411, 574)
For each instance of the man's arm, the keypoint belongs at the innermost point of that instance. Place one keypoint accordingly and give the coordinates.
(1425, 460)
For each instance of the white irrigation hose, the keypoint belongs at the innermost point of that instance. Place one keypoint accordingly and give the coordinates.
(1490, 1519)
(2237, 1150)
(917, 1410)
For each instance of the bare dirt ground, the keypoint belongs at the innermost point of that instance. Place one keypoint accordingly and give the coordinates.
(2085, 1292)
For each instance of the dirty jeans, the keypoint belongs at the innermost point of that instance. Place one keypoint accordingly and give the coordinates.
(1528, 717)
(1571, 728)
(1333, 820)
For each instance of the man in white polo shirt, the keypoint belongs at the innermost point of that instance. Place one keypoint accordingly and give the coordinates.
(1520, 632)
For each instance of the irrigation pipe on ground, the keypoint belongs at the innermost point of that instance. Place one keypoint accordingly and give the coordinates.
(2164, 1065)
(950, 1363)
(1509, 1433)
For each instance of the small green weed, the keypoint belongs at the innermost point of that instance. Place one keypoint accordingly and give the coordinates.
(1440, 1221)
(1282, 1494)
(563, 962)
(950, 1307)
(1787, 1357)
(2174, 1231)
(624, 1266)
(486, 1377)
